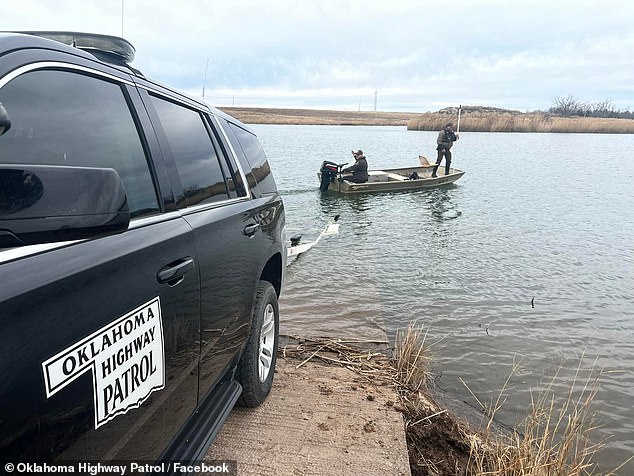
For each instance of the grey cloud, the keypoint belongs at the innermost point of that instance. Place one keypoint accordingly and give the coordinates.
(415, 53)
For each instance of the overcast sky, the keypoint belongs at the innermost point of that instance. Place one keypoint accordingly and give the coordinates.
(416, 55)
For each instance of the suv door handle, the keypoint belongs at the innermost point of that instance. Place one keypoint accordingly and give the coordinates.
(250, 230)
(172, 272)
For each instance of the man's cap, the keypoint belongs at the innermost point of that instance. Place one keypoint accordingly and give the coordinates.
(449, 124)
(358, 152)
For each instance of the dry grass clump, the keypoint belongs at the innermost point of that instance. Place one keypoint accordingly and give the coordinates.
(412, 358)
(521, 122)
(555, 439)
(436, 441)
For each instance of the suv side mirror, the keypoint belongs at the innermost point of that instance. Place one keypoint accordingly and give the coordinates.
(49, 203)
(5, 122)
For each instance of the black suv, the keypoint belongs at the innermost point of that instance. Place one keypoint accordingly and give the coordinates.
(141, 258)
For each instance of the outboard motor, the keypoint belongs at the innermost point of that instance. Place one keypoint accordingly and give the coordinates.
(329, 171)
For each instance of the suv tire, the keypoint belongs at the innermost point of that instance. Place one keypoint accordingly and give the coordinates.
(257, 366)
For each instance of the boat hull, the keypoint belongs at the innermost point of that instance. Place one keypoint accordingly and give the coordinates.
(392, 180)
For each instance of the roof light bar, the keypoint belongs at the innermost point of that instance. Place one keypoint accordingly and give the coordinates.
(91, 42)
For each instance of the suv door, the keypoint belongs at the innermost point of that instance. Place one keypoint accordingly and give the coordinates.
(100, 338)
(227, 235)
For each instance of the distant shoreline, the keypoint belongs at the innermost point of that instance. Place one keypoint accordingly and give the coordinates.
(260, 115)
(473, 119)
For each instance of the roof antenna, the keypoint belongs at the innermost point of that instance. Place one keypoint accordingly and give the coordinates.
(205, 80)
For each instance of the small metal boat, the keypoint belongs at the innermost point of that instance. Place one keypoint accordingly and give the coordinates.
(387, 180)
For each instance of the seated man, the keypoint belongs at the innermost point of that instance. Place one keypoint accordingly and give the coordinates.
(359, 169)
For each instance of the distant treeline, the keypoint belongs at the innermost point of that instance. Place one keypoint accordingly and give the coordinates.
(571, 106)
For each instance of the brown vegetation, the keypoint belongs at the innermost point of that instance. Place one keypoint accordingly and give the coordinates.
(473, 119)
(259, 115)
(553, 440)
(478, 119)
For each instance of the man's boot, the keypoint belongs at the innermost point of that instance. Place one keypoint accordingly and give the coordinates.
(438, 161)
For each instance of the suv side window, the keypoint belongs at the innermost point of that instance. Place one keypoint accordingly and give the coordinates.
(193, 152)
(229, 165)
(254, 153)
(68, 118)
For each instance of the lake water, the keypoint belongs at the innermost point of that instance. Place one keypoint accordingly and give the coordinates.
(548, 217)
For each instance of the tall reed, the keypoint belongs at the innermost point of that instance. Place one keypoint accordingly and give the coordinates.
(555, 439)
(412, 358)
(521, 122)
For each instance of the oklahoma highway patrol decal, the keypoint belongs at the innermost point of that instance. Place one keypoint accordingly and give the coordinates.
(126, 358)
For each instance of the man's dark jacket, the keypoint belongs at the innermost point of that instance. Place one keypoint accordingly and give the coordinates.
(359, 170)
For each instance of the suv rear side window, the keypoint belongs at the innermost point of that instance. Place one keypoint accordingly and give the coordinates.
(193, 152)
(254, 152)
(67, 118)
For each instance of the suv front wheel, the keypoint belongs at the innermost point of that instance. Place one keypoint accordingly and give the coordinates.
(257, 365)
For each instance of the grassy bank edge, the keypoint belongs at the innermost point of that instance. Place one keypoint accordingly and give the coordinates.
(553, 440)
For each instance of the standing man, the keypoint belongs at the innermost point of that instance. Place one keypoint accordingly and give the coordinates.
(359, 169)
(446, 138)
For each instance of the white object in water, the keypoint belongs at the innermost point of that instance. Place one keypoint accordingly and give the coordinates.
(331, 229)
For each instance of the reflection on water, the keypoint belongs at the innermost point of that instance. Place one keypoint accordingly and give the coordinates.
(442, 207)
(467, 260)
(298, 191)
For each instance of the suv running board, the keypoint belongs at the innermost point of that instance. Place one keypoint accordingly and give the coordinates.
(195, 439)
